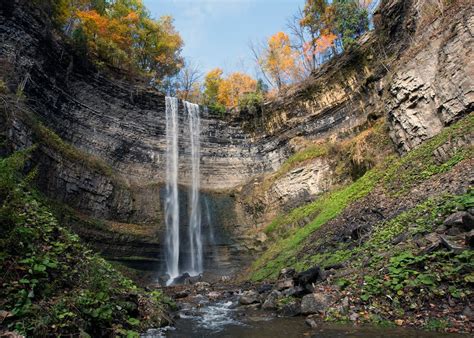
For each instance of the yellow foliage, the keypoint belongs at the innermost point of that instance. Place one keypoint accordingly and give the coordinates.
(234, 87)
(279, 59)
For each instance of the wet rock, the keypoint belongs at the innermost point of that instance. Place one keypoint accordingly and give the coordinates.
(194, 279)
(163, 280)
(293, 292)
(183, 279)
(284, 284)
(315, 303)
(264, 288)
(202, 286)
(214, 295)
(200, 299)
(290, 309)
(182, 294)
(249, 297)
(271, 303)
(311, 322)
(460, 219)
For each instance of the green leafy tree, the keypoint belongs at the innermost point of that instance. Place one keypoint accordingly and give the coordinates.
(348, 20)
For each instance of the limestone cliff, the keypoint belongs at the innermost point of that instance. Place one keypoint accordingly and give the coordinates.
(101, 139)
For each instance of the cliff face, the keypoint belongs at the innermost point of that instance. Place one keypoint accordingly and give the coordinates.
(415, 71)
(109, 159)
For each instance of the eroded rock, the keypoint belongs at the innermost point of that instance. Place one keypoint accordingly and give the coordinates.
(249, 297)
(315, 303)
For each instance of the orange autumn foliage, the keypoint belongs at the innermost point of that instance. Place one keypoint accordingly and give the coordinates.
(234, 87)
(124, 36)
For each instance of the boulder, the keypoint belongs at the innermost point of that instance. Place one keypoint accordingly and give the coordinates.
(290, 309)
(452, 243)
(183, 279)
(297, 291)
(195, 279)
(460, 219)
(271, 302)
(315, 303)
(249, 297)
(182, 294)
(284, 284)
(264, 288)
(214, 295)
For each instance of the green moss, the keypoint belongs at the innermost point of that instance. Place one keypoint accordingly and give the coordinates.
(326, 208)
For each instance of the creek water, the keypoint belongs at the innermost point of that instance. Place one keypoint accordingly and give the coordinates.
(225, 319)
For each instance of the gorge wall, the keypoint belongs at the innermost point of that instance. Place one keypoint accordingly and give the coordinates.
(101, 140)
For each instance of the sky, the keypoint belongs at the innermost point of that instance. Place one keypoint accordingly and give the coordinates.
(217, 33)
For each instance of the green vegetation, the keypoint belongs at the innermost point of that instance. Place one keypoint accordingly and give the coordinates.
(51, 283)
(283, 252)
(309, 153)
(420, 164)
(395, 175)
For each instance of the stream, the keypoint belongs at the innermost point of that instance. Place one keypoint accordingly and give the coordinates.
(227, 319)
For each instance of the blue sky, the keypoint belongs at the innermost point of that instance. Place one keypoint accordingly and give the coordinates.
(216, 33)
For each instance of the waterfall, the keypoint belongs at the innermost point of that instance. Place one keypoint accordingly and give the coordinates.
(195, 240)
(172, 218)
(172, 202)
(210, 226)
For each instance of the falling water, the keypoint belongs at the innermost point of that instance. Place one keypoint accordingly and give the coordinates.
(195, 241)
(210, 226)
(171, 202)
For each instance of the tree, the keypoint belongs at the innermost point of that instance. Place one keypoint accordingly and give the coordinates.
(344, 19)
(120, 34)
(232, 89)
(349, 20)
(303, 41)
(187, 82)
(212, 83)
(277, 60)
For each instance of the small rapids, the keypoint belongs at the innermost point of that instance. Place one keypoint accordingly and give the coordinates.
(225, 319)
(217, 317)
